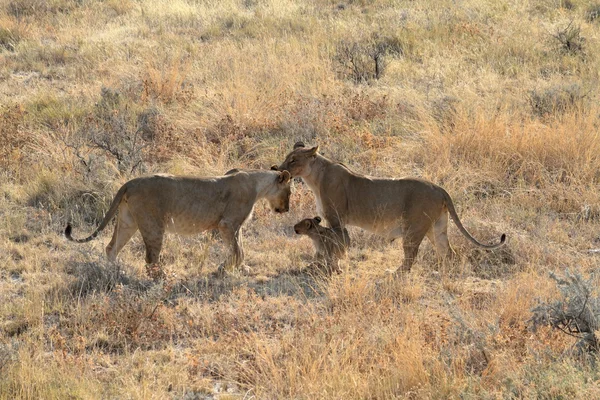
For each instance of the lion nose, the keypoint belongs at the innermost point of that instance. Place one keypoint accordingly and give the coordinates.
(296, 230)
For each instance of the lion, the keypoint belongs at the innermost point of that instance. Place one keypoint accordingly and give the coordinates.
(330, 246)
(189, 205)
(410, 208)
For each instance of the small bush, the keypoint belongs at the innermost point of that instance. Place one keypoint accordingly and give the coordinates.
(575, 314)
(132, 316)
(569, 40)
(111, 128)
(54, 193)
(593, 13)
(8, 355)
(13, 139)
(556, 99)
(117, 133)
(24, 8)
(21, 8)
(167, 83)
(549, 7)
(94, 277)
(365, 60)
(9, 38)
(154, 127)
(443, 111)
(53, 112)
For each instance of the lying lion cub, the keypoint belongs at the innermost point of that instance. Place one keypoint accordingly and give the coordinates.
(329, 244)
(392, 208)
(186, 205)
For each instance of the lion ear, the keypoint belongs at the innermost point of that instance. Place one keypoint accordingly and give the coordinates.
(298, 145)
(274, 167)
(313, 151)
(284, 177)
(317, 219)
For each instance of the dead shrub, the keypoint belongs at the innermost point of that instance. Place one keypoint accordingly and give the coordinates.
(24, 8)
(310, 118)
(167, 84)
(575, 313)
(11, 34)
(364, 60)
(115, 133)
(557, 100)
(362, 107)
(8, 354)
(13, 137)
(111, 129)
(443, 111)
(158, 131)
(569, 40)
(94, 277)
(593, 13)
(493, 264)
(130, 316)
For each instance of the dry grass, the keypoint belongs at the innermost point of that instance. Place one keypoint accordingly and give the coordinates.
(495, 101)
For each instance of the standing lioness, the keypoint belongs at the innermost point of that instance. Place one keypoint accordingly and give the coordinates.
(186, 205)
(408, 208)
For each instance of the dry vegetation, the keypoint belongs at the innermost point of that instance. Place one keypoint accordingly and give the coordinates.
(497, 101)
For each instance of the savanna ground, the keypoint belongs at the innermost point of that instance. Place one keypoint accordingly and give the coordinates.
(495, 100)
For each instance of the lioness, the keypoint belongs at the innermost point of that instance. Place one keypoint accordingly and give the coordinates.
(187, 205)
(392, 208)
(330, 245)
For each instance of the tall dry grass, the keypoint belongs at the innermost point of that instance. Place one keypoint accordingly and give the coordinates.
(495, 101)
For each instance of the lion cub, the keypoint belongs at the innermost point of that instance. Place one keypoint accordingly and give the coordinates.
(330, 244)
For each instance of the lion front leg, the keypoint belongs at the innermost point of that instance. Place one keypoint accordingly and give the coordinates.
(231, 234)
(153, 242)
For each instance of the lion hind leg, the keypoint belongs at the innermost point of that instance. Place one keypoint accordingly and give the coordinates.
(125, 228)
(411, 242)
(438, 235)
(153, 232)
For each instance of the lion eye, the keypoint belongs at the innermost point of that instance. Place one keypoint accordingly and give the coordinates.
(292, 161)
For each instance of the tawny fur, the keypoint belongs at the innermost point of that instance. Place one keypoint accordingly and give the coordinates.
(410, 208)
(188, 205)
(330, 245)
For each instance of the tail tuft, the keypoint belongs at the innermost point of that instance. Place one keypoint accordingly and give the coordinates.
(68, 231)
(503, 238)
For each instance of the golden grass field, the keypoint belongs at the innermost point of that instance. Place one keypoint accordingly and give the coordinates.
(495, 100)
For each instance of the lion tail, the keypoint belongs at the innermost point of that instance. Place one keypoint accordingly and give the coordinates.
(464, 231)
(109, 215)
